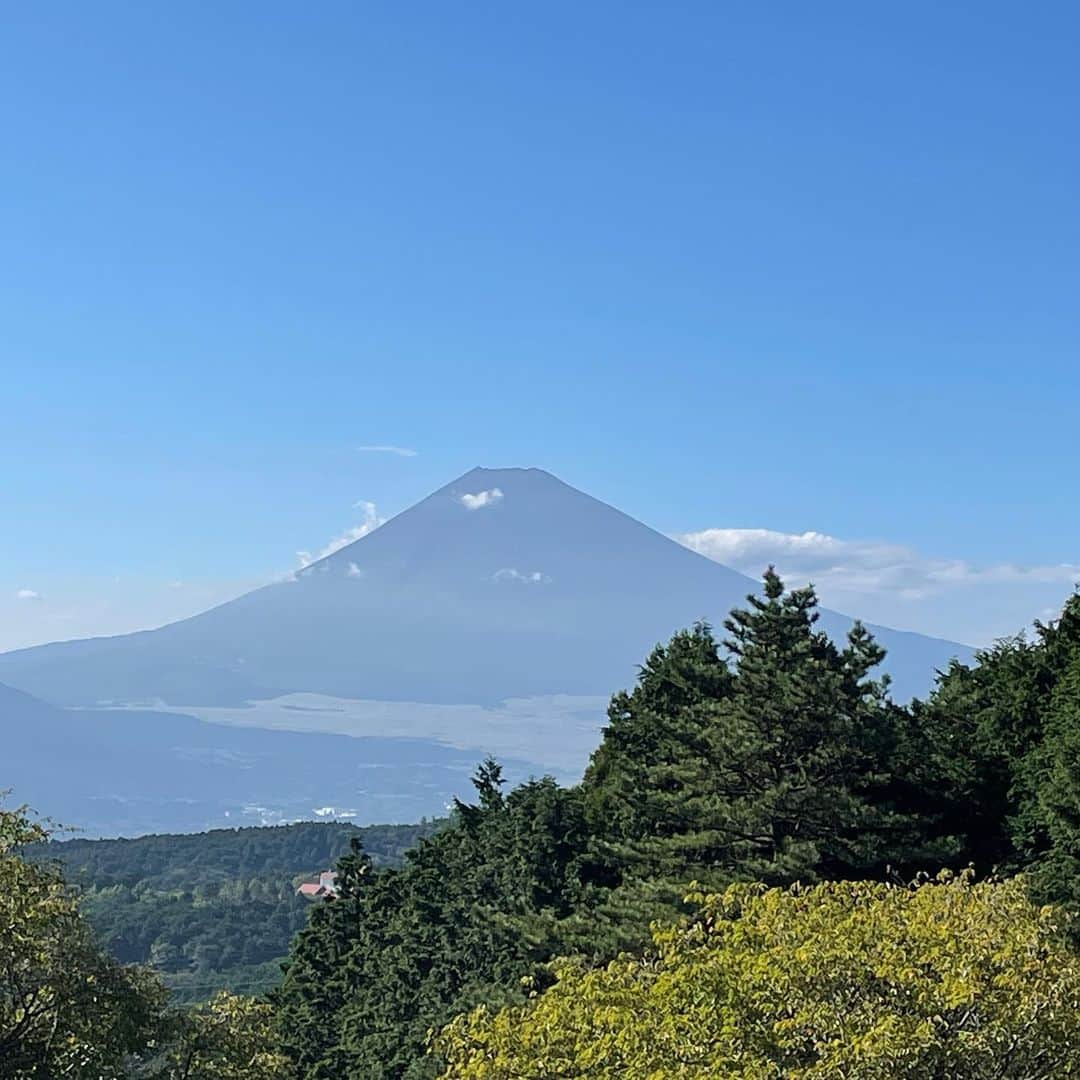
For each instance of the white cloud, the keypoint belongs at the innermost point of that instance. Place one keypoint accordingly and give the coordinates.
(370, 523)
(353, 571)
(895, 584)
(398, 451)
(27, 594)
(534, 577)
(481, 499)
(860, 564)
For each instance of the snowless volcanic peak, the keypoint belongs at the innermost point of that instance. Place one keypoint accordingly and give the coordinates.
(504, 584)
(513, 525)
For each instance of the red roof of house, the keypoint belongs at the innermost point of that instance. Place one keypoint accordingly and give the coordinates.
(311, 889)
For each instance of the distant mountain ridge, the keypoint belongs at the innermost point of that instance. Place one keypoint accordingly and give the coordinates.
(505, 583)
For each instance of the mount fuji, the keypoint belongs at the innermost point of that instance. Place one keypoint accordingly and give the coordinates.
(496, 615)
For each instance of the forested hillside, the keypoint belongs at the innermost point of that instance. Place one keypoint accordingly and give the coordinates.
(777, 760)
(213, 910)
(769, 869)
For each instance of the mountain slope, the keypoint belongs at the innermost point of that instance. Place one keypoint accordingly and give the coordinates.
(506, 583)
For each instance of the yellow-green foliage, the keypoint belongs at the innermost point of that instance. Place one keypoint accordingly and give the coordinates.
(949, 979)
(229, 1039)
(66, 1010)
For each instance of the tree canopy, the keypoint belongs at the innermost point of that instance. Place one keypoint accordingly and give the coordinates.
(213, 910)
(66, 1009)
(70, 1012)
(757, 796)
(851, 979)
(764, 768)
(397, 952)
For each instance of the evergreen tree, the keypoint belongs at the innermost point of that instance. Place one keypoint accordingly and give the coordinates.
(764, 772)
(473, 911)
(653, 732)
(1046, 788)
(949, 781)
(1056, 872)
(1013, 793)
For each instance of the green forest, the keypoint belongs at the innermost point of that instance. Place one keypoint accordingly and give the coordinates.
(769, 869)
(216, 910)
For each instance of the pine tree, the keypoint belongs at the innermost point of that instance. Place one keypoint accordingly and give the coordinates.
(474, 910)
(1011, 725)
(762, 772)
(654, 734)
(1046, 787)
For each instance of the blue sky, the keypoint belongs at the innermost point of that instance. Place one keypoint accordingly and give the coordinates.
(789, 267)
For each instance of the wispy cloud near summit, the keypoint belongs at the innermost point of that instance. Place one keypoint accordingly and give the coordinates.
(371, 522)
